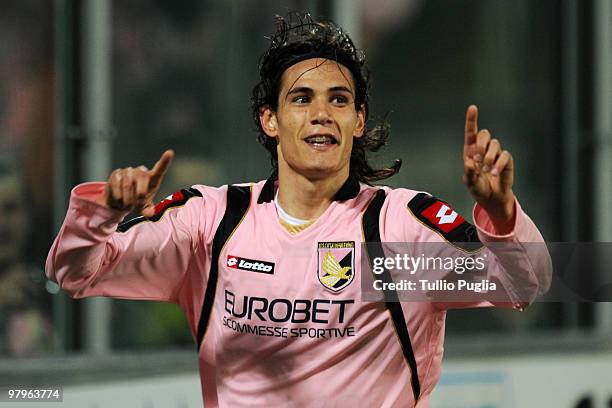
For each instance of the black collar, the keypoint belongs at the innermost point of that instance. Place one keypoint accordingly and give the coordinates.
(349, 189)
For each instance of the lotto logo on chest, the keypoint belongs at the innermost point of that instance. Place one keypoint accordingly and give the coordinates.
(251, 265)
(336, 264)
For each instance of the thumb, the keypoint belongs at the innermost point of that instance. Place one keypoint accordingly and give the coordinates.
(153, 182)
(160, 169)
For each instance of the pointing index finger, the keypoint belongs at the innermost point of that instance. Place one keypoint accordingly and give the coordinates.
(161, 166)
(471, 125)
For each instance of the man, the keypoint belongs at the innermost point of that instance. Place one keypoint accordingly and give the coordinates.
(267, 273)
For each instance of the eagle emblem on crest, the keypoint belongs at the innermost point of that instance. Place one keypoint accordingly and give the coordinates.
(336, 264)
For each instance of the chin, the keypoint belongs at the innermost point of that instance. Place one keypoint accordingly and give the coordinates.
(321, 171)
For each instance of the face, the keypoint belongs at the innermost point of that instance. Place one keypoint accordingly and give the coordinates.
(316, 120)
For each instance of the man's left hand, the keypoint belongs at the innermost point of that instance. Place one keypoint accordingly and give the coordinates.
(488, 173)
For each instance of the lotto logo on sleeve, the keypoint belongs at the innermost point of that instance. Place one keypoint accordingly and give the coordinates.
(251, 265)
(443, 216)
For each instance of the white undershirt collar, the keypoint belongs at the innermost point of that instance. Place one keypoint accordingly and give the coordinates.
(282, 214)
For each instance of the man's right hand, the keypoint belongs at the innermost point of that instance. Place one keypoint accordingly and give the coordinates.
(133, 189)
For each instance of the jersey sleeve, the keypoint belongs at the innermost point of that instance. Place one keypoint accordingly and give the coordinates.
(518, 263)
(145, 258)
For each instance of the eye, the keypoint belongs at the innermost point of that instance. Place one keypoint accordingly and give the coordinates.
(301, 99)
(340, 99)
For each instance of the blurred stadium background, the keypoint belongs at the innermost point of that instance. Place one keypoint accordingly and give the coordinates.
(90, 85)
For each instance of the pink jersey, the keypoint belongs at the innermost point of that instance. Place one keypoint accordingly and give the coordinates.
(273, 329)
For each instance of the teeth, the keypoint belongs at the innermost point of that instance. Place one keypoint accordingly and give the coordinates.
(320, 139)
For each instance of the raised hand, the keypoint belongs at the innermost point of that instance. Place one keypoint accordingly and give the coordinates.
(488, 171)
(133, 189)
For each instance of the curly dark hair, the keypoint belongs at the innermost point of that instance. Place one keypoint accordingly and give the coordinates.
(301, 37)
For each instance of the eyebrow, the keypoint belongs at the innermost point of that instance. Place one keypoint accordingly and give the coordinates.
(340, 89)
(307, 90)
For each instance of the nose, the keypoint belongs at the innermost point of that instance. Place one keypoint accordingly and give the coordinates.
(321, 113)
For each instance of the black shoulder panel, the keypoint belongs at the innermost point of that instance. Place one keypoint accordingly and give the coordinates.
(371, 232)
(177, 199)
(439, 216)
(238, 203)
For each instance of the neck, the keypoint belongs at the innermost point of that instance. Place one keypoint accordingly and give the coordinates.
(305, 198)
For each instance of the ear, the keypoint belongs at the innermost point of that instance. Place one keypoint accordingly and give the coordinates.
(360, 125)
(267, 119)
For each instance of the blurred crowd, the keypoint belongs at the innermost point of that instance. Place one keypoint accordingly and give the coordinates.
(26, 126)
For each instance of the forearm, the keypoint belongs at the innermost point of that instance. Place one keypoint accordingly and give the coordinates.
(84, 240)
(90, 257)
(524, 263)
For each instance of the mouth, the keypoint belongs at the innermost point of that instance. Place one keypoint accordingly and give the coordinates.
(321, 140)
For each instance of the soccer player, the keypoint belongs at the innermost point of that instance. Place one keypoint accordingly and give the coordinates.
(268, 273)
